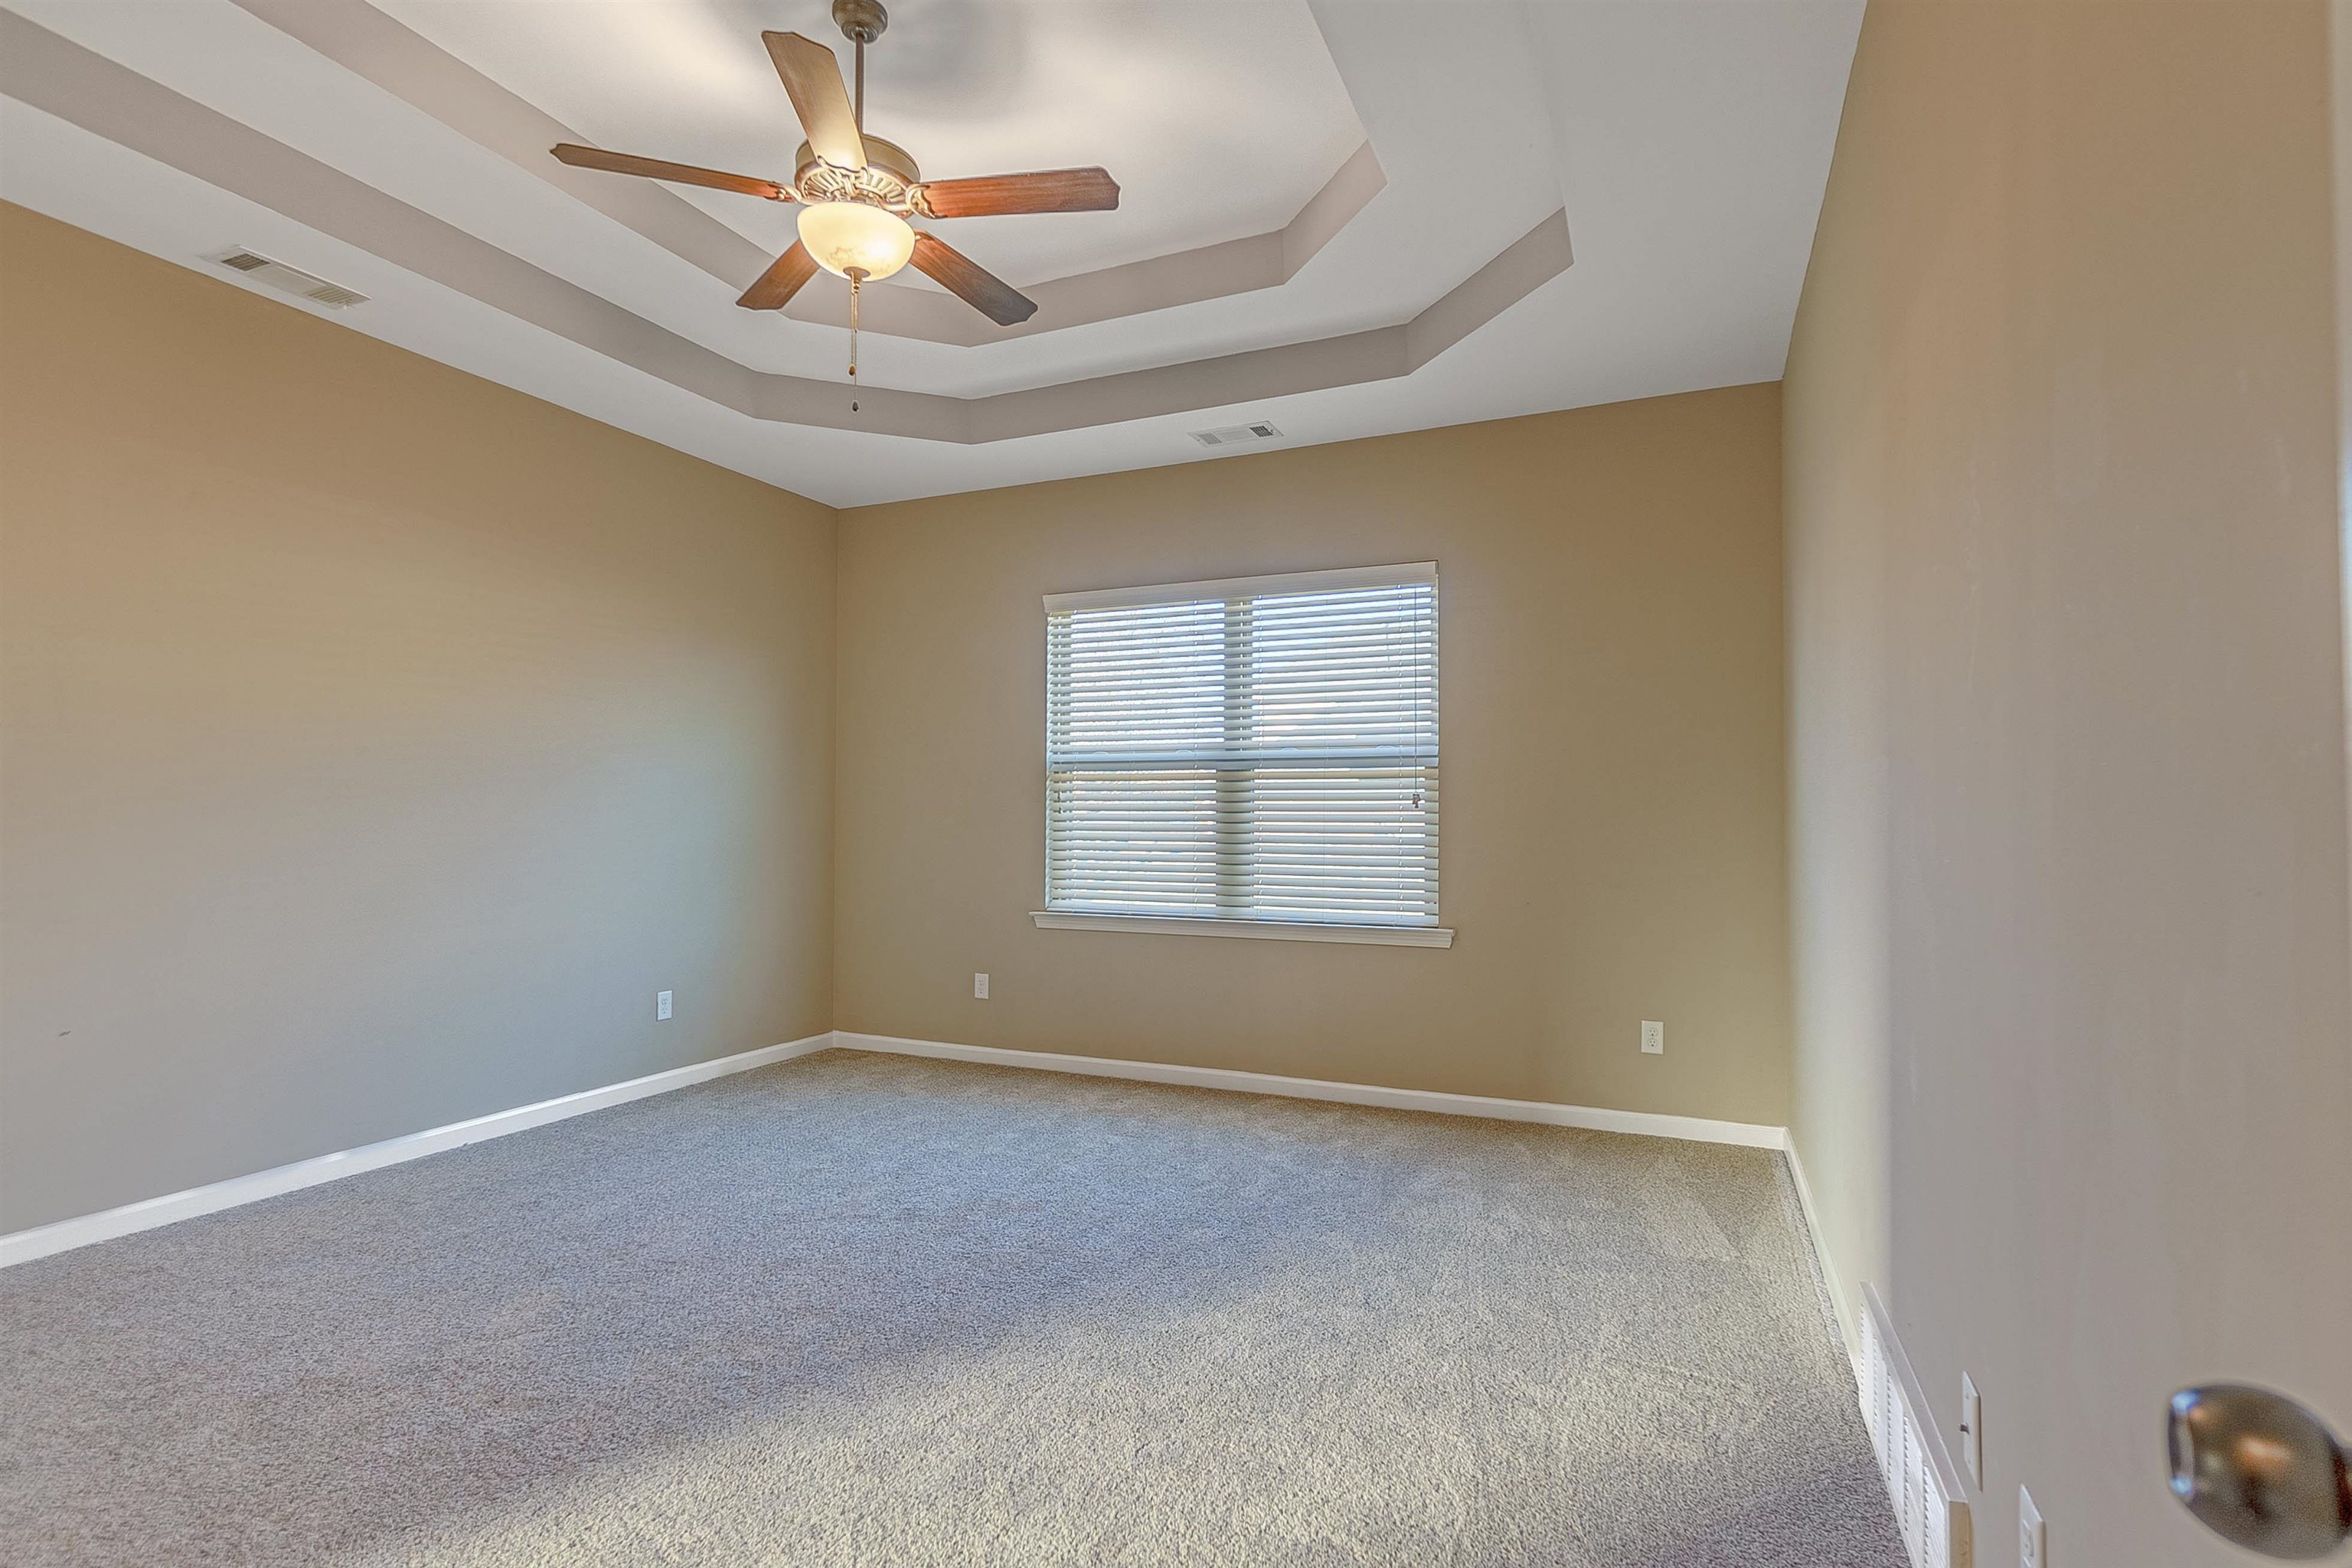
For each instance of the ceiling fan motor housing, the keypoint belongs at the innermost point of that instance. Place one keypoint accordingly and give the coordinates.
(887, 180)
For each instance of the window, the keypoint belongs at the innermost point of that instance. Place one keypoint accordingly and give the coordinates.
(1257, 755)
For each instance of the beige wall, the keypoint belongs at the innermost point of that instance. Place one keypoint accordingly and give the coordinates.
(1611, 713)
(2074, 1062)
(375, 740)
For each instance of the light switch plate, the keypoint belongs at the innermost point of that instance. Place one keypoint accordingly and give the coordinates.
(1972, 1432)
(2032, 1535)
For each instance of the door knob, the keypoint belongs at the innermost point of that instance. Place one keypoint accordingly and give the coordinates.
(2260, 1470)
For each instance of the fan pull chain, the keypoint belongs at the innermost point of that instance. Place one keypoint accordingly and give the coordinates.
(857, 276)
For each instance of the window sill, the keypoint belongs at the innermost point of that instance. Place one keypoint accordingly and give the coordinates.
(1264, 931)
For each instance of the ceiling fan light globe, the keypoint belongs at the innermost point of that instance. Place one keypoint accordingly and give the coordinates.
(846, 237)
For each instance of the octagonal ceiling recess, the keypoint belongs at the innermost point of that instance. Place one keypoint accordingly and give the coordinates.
(1329, 211)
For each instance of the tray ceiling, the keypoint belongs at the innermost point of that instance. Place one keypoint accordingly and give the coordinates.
(1351, 217)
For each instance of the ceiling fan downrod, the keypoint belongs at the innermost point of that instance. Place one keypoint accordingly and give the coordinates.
(861, 22)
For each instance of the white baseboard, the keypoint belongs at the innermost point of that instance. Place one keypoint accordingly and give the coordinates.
(22, 1247)
(1839, 1301)
(1645, 1123)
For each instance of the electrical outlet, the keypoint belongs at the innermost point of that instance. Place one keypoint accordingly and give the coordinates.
(1971, 1431)
(661, 1007)
(2032, 1535)
(980, 987)
(1654, 1038)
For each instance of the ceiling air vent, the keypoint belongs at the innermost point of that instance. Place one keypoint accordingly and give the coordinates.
(290, 279)
(1236, 435)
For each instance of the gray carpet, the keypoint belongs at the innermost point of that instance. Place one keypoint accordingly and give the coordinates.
(870, 1310)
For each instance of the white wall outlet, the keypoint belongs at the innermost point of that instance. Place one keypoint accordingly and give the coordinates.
(1654, 1038)
(2032, 1535)
(980, 987)
(1972, 1432)
(661, 1006)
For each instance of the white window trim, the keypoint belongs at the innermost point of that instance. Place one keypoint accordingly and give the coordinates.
(1397, 576)
(1273, 931)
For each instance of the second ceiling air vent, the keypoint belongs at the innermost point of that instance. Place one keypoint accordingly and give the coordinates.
(289, 279)
(1236, 435)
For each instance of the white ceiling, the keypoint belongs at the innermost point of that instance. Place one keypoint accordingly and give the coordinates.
(1687, 142)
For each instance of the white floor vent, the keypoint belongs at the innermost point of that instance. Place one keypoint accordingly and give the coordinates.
(1929, 1506)
(289, 279)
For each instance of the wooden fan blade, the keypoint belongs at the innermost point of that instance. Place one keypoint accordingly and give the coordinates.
(581, 157)
(782, 281)
(812, 76)
(968, 280)
(1046, 191)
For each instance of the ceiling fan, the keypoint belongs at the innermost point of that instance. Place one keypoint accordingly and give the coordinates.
(858, 191)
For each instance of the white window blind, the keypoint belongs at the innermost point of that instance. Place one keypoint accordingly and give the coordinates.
(1258, 749)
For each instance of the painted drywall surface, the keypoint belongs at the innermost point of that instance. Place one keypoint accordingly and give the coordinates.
(374, 742)
(1611, 650)
(2068, 733)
